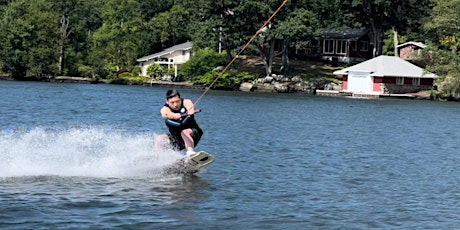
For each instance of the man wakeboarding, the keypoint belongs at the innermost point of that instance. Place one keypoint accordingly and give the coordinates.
(184, 132)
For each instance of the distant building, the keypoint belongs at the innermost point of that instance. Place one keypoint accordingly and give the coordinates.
(385, 75)
(169, 58)
(410, 50)
(345, 46)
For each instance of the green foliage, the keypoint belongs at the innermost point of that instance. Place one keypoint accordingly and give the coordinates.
(170, 72)
(444, 22)
(104, 36)
(29, 38)
(447, 66)
(85, 71)
(201, 63)
(118, 41)
(389, 44)
(155, 71)
(168, 27)
(109, 71)
(128, 78)
(301, 23)
(136, 70)
(443, 57)
(227, 81)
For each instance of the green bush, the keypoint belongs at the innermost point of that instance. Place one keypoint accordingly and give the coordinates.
(155, 71)
(226, 81)
(201, 63)
(136, 71)
(110, 70)
(85, 71)
(128, 79)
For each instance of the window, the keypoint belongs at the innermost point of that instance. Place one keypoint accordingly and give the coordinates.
(363, 46)
(354, 46)
(341, 47)
(415, 81)
(328, 46)
(399, 81)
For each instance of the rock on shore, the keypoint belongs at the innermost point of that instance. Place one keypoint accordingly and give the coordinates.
(282, 84)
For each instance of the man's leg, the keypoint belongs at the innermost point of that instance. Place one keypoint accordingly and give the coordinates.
(162, 141)
(168, 141)
(186, 135)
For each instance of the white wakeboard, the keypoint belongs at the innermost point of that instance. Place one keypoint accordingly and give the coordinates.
(189, 165)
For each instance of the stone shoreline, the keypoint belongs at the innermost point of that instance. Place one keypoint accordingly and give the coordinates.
(265, 85)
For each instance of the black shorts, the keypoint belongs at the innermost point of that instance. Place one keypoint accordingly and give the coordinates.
(177, 142)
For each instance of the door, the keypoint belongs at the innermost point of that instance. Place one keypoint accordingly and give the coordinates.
(359, 82)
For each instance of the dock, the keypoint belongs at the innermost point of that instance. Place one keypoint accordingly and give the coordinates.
(336, 93)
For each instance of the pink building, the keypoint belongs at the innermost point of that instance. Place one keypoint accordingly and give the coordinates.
(385, 75)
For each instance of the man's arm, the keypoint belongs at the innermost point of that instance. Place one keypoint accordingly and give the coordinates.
(190, 106)
(167, 114)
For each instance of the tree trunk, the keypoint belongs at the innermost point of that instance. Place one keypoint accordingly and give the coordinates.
(395, 41)
(64, 35)
(229, 51)
(271, 54)
(376, 26)
(265, 57)
(285, 57)
(61, 59)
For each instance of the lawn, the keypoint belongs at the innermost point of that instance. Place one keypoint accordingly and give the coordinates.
(303, 68)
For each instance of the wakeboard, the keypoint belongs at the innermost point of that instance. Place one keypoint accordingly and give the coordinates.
(189, 165)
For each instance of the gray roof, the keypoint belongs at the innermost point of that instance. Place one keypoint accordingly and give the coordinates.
(347, 34)
(183, 46)
(387, 66)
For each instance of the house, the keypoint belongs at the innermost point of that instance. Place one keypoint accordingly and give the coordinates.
(169, 58)
(410, 50)
(345, 46)
(385, 75)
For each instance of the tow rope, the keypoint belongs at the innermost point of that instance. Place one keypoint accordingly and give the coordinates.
(237, 55)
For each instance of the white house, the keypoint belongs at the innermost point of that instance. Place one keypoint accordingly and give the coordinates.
(385, 75)
(169, 58)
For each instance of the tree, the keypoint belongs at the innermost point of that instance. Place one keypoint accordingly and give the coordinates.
(150, 8)
(84, 20)
(202, 62)
(444, 23)
(118, 42)
(390, 43)
(65, 7)
(169, 26)
(443, 56)
(155, 71)
(29, 39)
(382, 15)
(247, 17)
(301, 23)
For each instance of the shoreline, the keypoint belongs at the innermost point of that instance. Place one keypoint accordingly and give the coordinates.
(190, 85)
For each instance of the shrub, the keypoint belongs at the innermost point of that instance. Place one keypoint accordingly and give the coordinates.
(227, 81)
(155, 71)
(127, 78)
(201, 63)
(85, 71)
(136, 71)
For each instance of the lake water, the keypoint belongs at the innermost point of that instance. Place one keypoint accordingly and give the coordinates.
(76, 156)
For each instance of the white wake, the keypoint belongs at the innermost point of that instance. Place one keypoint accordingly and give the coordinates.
(88, 151)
